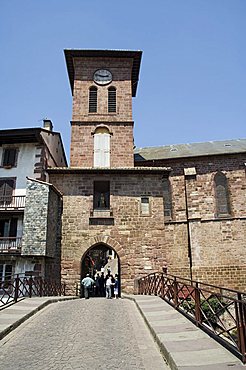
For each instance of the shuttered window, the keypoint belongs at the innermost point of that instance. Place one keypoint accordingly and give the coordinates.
(93, 100)
(222, 194)
(102, 147)
(9, 157)
(6, 190)
(112, 100)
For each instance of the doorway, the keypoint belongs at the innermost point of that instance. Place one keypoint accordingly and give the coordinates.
(99, 261)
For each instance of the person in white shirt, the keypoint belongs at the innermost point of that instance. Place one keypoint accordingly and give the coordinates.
(87, 282)
(109, 283)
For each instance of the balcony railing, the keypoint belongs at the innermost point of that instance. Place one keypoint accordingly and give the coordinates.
(10, 245)
(12, 202)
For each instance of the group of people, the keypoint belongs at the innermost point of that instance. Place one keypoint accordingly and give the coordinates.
(101, 286)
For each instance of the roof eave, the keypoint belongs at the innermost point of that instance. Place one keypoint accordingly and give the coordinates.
(136, 55)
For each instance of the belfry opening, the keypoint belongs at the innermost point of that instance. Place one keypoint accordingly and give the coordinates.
(100, 261)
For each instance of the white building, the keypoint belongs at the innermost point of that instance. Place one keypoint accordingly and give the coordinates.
(26, 152)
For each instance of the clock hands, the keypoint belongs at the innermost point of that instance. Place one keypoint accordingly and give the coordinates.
(103, 76)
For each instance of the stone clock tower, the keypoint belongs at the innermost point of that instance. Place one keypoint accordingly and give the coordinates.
(103, 83)
(107, 201)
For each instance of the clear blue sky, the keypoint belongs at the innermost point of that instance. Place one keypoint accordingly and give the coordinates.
(192, 84)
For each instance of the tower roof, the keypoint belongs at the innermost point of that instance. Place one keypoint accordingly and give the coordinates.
(87, 53)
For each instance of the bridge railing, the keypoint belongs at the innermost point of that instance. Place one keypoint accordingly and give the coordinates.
(219, 311)
(21, 286)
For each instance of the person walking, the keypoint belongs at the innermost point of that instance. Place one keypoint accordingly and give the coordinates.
(87, 282)
(116, 287)
(108, 287)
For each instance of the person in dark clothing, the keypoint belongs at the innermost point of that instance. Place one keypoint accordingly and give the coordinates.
(101, 282)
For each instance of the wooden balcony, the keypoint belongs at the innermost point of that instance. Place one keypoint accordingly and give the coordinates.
(12, 202)
(10, 245)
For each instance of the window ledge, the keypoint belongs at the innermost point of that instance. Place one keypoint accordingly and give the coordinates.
(101, 213)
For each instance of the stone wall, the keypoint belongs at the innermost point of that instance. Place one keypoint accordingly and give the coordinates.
(218, 245)
(120, 123)
(35, 219)
(42, 227)
(121, 144)
(138, 240)
(53, 246)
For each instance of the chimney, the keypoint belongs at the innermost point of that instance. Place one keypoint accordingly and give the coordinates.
(47, 124)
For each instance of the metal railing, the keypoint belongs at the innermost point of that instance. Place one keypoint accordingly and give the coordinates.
(19, 287)
(218, 311)
(10, 245)
(12, 202)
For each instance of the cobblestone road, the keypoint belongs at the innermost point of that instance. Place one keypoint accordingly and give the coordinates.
(82, 334)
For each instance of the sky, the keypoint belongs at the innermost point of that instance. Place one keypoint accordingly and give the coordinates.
(192, 85)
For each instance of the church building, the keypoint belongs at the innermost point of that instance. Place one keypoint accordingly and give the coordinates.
(179, 208)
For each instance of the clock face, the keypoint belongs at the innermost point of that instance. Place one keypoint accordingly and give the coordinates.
(102, 77)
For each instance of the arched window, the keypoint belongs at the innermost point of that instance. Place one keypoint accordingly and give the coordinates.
(112, 100)
(93, 99)
(102, 147)
(221, 194)
(167, 199)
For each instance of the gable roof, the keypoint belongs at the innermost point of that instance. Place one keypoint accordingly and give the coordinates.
(190, 150)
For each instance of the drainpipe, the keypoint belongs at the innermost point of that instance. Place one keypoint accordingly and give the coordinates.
(189, 173)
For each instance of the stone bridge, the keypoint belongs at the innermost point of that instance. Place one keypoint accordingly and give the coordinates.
(138, 332)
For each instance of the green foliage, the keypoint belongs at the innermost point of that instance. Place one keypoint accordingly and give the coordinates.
(210, 308)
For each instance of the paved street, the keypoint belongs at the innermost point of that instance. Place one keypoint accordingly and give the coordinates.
(82, 334)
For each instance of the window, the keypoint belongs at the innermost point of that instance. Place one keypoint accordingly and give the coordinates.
(93, 100)
(102, 147)
(222, 195)
(9, 157)
(167, 199)
(6, 190)
(5, 274)
(145, 206)
(8, 227)
(101, 199)
(112, 100)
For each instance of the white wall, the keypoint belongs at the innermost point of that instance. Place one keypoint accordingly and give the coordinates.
(25, 165)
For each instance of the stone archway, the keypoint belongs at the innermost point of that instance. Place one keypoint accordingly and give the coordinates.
(101, 259)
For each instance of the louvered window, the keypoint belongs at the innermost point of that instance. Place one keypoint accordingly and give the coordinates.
(167, 199)
(9, 157)
(93, 100)
(112, 100)
(6, 190)
(222, 195)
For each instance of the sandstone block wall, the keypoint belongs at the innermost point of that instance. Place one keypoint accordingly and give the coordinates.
(121, 144)
(218, 245)
(138, 240)
(119, 123)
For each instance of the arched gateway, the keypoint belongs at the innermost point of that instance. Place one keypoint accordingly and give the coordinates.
(99, 260)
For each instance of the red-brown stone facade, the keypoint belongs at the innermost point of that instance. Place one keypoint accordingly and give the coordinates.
(121, 143)
(138, 240)
(120, 123)
(218, 244)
